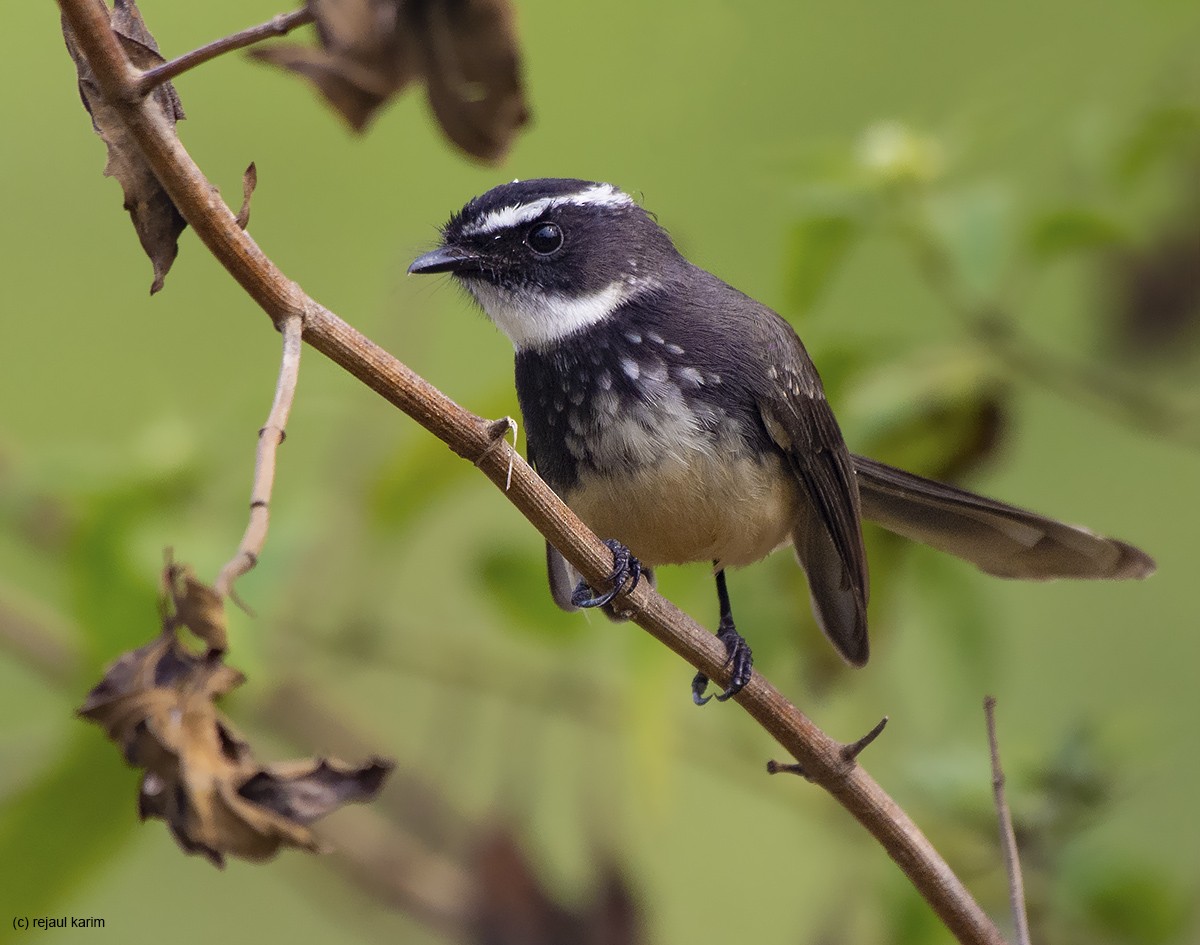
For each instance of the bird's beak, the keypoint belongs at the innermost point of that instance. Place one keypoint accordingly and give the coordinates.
(444, 259)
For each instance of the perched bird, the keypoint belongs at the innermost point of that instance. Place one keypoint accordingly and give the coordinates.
(683, 421)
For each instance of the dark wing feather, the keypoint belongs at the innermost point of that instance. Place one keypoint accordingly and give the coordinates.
(1000, 539)
(828, 536)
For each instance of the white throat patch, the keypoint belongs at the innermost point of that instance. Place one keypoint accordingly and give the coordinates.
(534, 319)
(598, 195)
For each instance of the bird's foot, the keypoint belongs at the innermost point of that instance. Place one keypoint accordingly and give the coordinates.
(626, 570)
(738, 658)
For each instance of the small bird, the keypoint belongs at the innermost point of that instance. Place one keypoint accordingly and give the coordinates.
(683, 421)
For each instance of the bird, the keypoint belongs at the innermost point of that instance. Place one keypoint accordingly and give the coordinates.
(684, 421)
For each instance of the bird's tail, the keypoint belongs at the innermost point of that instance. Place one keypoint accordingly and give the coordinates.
(1000, 539)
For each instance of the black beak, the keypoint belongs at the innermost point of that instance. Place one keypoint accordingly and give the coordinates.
(444, 259)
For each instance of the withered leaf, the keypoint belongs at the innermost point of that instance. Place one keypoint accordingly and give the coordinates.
(249, 182)
(305, 791)
(196, 605)
(156, 219)
(371, 50)
(473, 73)
(513, 907)
(158, 704)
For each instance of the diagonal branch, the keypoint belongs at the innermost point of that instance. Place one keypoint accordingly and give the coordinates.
(821, 757)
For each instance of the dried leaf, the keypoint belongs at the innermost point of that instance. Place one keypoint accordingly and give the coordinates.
(514, 908)
(249, 182)
(371, 50)
(196, 606)
(157, 703)
(473, 73)
(156, 219)
(1154, 293)
(366, 55)
(305, 791)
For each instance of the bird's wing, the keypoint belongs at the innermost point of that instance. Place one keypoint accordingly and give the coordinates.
(1000, 539)
(827, 537)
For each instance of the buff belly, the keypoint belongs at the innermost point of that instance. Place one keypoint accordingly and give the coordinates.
(728, 509)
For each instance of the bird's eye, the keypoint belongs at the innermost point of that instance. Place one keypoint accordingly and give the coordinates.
(544, 239)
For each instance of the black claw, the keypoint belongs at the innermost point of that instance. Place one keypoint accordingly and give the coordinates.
(737, 656)
(626, 570)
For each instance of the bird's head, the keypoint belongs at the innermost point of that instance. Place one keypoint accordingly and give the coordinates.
(550, 257)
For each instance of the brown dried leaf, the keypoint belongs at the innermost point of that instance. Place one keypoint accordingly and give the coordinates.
(365, 56)
(158, 704)
(370, 50)
(249, 182)
(473, 73)
(514, 908)
(156, 219)
(305, 791)
(197, 606)
(1154, 293)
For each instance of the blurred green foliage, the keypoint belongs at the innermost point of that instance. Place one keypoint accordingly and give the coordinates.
(960, 207)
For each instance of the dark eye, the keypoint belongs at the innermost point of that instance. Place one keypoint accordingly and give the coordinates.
(544, 238)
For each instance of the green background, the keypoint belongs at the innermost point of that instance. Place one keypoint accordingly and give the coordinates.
(402, 593)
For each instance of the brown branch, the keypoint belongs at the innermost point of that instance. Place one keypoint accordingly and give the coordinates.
(36, 645)
(269, 438)
(473, 438)
(278, 25)
(1008, 837)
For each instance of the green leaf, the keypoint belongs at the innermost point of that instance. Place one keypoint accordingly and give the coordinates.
(1072, 229)
(515, 582)
(817, 247)
(1172, 130)
(971, 228)
(1132, 902)
(65, 825)
(114, 596)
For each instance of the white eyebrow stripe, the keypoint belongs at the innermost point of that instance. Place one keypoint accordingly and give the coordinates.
(507, 217)
(599, 195)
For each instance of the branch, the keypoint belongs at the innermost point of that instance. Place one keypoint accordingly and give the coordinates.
(278, 25)
(1008, 838)
(474, 438)
(269, 438)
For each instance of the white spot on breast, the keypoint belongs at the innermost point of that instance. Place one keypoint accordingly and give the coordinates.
(630, 367)
(674, 348)
(690, 375)
(655, 337)
(604, 380)
(634, 337)
(655, 371)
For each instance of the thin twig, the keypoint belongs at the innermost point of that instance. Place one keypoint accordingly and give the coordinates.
(269, 438)
(1008, 838)
(35, 644)
(278, 25)
(470, 437)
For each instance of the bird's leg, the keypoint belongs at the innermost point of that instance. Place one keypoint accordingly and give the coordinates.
(738, 656)
(626, 570)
